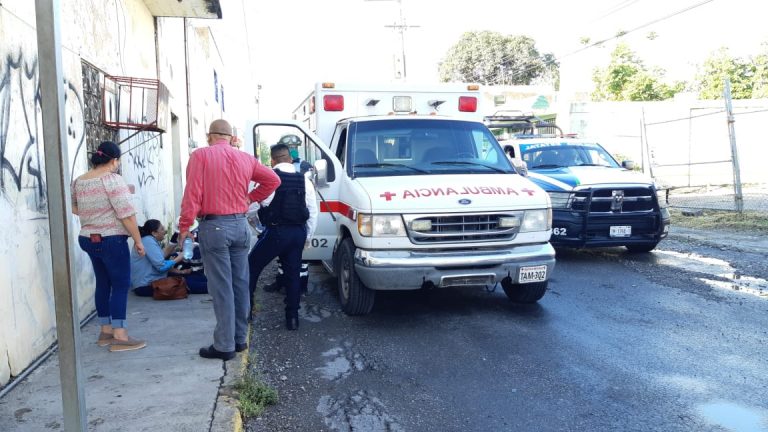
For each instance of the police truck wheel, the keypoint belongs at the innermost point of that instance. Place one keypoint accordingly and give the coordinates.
(356, 298)
(524, 293)
(642, 247)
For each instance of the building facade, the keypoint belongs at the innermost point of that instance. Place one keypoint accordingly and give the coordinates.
(174, 46)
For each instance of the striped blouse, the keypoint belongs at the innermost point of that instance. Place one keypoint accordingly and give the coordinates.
(101, 203)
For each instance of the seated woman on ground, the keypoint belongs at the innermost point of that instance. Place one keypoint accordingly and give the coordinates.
(156, 263)
(192, 269)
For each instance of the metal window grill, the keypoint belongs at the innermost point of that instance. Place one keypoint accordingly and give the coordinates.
(134, 103)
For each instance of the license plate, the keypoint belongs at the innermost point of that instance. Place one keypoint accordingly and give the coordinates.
(621, 231)
(532, 274)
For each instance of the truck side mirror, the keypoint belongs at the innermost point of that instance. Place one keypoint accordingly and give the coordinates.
(321, 172)
(628, 164)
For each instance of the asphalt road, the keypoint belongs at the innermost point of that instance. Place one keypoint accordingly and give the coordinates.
(675, 340)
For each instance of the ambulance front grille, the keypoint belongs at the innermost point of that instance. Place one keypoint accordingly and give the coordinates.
(461, 228)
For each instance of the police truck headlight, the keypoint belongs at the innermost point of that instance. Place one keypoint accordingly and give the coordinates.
(380, 225)
(537, 220)
(560, 199)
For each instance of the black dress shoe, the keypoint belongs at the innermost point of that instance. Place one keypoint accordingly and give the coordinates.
(292, 323)
(273, 287)
(213, 353)
(240, 347)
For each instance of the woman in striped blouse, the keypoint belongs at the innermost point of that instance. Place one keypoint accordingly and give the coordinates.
(102, 200)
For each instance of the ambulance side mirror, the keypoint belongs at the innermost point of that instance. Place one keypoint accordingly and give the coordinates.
(321, 172)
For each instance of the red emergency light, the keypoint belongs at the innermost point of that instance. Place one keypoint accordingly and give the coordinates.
(333, 103)
(467, 104)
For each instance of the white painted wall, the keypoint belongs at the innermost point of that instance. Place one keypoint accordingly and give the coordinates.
(118, 38)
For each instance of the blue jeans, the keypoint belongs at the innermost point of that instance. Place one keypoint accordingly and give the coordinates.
(111, 261)
(286, 242)
(224, 244)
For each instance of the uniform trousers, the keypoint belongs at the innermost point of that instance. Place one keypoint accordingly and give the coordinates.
(286, 242)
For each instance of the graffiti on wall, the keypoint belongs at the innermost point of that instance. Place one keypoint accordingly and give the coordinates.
(21, 133)
(143, 151)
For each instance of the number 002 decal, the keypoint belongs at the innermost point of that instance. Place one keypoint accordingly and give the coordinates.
(323, 243)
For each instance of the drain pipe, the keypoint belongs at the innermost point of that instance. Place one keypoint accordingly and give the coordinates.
(40, 360)
(186, 75)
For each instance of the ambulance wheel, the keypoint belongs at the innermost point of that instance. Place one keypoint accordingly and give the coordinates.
(524, 293)
(356, 298)
(641, 247)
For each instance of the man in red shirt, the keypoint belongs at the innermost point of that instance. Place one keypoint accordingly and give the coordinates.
(218, 177)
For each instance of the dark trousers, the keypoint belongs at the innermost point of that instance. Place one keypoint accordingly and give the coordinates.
(303, 275)
(286, 242)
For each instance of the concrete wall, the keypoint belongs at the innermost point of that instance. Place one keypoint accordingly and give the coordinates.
(117, 38)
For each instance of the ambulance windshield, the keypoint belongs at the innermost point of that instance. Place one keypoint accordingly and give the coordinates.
(410, 146)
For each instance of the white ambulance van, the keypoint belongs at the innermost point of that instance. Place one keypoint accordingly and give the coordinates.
(415, 192)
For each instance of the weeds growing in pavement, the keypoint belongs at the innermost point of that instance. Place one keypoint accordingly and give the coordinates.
(254, 395)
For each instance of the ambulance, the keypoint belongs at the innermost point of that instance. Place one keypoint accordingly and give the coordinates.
(415, 193)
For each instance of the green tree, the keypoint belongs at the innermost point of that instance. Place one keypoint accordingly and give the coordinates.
(626, 78)
(760, 82)
(719, 65)
(491, 58)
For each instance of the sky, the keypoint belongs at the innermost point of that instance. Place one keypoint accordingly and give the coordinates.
(291, 44)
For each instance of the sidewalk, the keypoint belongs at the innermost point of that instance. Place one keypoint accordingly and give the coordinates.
(166, 386)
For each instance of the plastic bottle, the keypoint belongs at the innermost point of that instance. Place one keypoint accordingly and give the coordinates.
(187, 249)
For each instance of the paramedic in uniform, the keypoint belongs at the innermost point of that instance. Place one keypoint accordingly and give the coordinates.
(293, 142)
(289, 217)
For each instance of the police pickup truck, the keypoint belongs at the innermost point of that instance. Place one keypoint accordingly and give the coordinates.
(596, 201)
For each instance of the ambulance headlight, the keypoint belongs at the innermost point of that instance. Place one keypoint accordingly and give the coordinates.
(380, 225)
(537, 220)
(423, 225)
(508, 222)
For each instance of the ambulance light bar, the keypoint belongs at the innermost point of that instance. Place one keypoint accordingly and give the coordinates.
(467, 104)
(333, 103)
(401, 103)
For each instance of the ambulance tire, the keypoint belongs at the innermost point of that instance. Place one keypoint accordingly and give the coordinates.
(642, 247)
(355, 297)
(524, 293)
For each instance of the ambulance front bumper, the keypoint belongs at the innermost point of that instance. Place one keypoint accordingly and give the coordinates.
(410, 270)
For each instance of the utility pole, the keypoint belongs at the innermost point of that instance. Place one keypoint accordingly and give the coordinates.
(47, 18)
(737, 193)
(400, 26)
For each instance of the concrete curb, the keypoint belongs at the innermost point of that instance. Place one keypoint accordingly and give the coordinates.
(226, 415)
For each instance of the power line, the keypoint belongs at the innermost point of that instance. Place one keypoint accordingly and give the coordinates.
(594, 44)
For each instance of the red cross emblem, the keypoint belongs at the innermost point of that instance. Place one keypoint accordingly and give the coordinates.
(529, 192)
(388, 195)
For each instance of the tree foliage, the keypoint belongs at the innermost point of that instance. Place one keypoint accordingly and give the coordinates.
(760, 87)
(719, 65)
(491, 58)
(626, 78)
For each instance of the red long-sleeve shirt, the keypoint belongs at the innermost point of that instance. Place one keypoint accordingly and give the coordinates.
(218, 177)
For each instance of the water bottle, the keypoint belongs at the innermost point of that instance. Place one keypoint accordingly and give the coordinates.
(187, 249)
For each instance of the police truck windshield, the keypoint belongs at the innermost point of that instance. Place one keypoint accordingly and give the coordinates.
(423, 147)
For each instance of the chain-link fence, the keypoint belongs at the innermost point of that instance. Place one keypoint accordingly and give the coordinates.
(685, 146)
